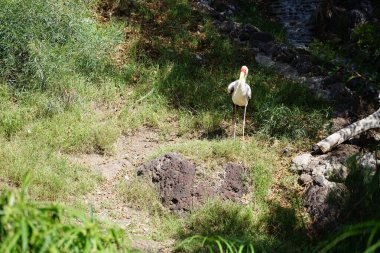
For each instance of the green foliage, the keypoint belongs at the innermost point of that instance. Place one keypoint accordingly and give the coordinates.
(361, 237)
(54, 177)
(286, 109)
(44, 41)
(251, 13)
(367, 37)
(364, 186)
(216, 244)
(221, 218)
(30, 227)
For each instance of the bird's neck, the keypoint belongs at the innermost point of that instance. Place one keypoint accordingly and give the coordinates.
(241, 79)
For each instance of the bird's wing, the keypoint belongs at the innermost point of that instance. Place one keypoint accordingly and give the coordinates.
(249, 91)
(232, 86)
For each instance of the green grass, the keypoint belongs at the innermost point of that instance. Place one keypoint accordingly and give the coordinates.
(27, 226)
(45, 41)
(71, 84)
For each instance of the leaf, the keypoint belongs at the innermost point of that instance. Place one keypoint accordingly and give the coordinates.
(24, 231)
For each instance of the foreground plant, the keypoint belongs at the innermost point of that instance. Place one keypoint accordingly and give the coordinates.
(216, 244)
(366, 235)
(30, 227)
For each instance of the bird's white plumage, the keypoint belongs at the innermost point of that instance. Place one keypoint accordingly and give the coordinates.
(241, 92)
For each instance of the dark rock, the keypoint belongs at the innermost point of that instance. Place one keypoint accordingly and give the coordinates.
(251, 28)
(174, 177)
(244, 36)
(181, 188)
(220, 5)
(233, 186)
(303, 64)
(331, 80)
(357, 17)
(325, 203)
(262, 37)
(284, 54)
(227, 26)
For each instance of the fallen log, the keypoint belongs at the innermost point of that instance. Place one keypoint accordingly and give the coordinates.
(372, 121)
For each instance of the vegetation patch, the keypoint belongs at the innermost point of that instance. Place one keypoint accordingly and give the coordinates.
(27, 226)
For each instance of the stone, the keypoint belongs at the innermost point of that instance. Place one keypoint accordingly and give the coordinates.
(305, 179)
(263, 37)
(174, 177)
(251, 28)
(284, 54)
(319, 180)
(303, 64)
(368, 161)
(233, 186)
(325, 203)
(227, 26)
(264, 60)
(181, 187)
(300, 162)
(357, 17)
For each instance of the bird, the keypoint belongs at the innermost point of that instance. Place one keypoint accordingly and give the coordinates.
(241, 94)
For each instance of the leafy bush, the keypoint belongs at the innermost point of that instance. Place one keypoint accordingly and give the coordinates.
(30, 227)
(44, 41)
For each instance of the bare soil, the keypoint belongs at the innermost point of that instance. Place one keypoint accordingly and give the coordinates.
(131, 152)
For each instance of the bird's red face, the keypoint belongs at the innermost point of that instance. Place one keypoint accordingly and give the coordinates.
(244, 69)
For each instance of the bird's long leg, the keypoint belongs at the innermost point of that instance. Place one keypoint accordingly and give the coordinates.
(234, 112)
(245, 111)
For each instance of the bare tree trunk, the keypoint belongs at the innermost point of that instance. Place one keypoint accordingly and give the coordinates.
(372, 121)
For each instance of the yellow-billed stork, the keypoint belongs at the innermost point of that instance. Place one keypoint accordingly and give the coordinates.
(241, 93)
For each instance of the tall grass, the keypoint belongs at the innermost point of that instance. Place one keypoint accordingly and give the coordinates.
(30, 227)
(216, 244)
(44, 41)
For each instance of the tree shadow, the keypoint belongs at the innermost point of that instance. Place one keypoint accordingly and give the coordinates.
(196, 63)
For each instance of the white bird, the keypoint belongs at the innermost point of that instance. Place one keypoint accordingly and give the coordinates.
(241, 93)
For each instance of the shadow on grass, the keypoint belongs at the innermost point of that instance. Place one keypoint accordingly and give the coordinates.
(196, 63)
(280, 230)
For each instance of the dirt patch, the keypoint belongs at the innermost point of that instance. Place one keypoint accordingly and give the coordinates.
(130, 152)
(181, 188)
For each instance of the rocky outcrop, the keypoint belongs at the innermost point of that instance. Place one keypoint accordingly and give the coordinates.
(174, 177)
(181, 186)
(297, 19)
(337, 19)
(324, 177)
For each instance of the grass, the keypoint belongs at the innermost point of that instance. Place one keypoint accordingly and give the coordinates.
(71, 84)
(34, 227)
